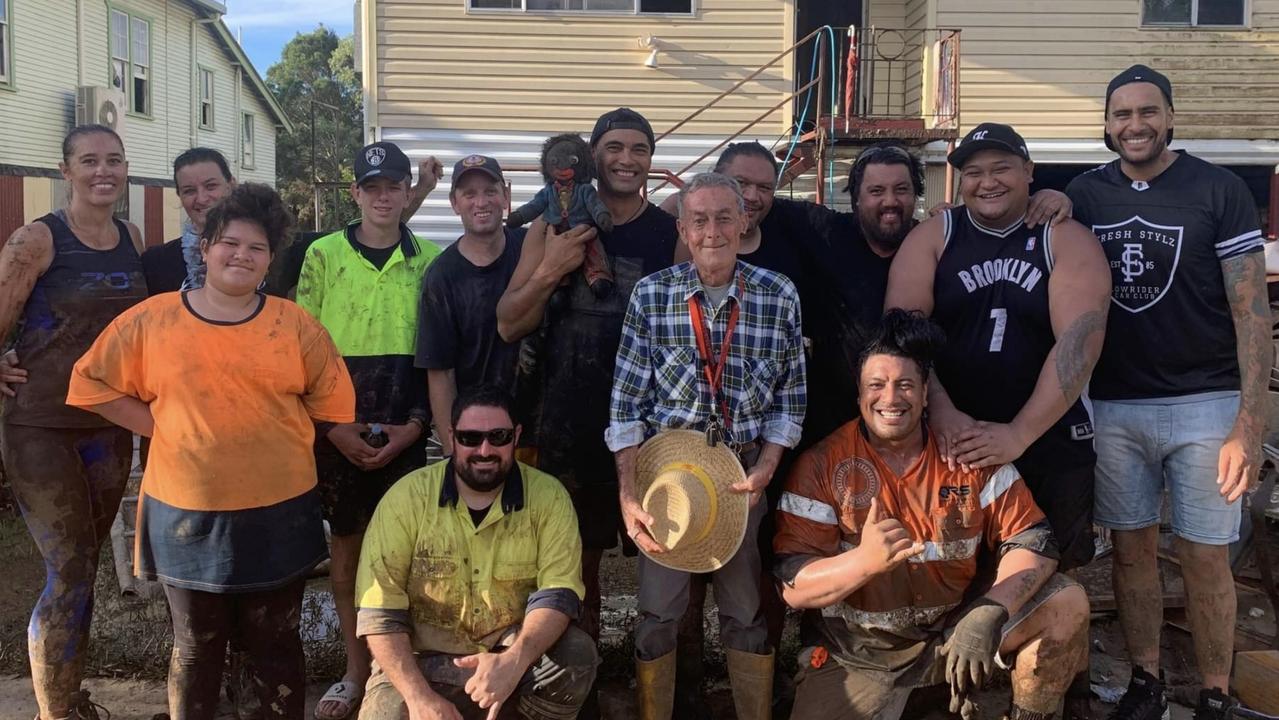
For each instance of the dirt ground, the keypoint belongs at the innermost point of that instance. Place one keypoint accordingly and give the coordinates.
(131, 642)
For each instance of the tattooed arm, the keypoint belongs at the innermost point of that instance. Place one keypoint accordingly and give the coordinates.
(1240, 457)
(1019, 576)
(1078, 300)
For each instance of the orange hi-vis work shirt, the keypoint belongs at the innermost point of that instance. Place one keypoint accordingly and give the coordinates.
(235, 405)
(886, 623)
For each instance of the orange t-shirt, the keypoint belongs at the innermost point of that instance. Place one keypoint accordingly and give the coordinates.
(234, 403)
(954, 513)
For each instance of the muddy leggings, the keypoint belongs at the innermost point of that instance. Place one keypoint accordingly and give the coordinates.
(266, 625)
(68, 484)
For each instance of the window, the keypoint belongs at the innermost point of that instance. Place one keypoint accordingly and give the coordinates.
(6, 52)
(206, 99)
(1193, 13)
(246, 140)
(684, 7)
(131, 60)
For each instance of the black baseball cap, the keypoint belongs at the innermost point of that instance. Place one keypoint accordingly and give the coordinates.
(1137, 74)
(988, 136)
(382, 159)
(482, 163)
(622, 119)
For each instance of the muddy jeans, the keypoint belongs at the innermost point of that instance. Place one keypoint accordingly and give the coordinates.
(266, 625)
(554, 688)
(663, 597)
(68, 484)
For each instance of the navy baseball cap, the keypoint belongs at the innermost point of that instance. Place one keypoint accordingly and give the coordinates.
(382, 159)
(622, 119)
(1137, 74)
(482, 163)
(988, 136)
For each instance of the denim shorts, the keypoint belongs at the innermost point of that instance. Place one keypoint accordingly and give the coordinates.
(1144, 447)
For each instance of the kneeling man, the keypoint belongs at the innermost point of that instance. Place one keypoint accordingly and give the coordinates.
(468, 579)
(878, 533)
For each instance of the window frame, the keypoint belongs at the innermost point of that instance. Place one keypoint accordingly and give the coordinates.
(6, 46)
(130, 62)
(251, 142)
(201, 71)
(633, 13)
(1193, 23)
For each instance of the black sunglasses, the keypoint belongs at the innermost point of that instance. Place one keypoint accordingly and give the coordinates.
(474, 438)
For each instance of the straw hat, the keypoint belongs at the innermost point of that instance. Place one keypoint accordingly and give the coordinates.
(684, 484)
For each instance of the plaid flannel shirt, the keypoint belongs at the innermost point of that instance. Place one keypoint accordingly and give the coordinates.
(659, 384)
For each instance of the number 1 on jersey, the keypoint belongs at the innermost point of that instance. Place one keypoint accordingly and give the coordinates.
(1000, 316)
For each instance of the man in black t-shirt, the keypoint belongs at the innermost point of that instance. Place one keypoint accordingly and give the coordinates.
(457, 341)
(581, 339)
(1180, 390)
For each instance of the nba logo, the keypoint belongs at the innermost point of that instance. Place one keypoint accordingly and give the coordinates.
(1030, 243)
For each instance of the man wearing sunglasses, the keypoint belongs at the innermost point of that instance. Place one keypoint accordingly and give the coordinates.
(469, 579)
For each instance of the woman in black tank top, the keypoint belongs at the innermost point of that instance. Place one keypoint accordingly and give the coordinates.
(63, 278)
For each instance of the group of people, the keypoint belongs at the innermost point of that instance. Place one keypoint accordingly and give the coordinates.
(905, 429)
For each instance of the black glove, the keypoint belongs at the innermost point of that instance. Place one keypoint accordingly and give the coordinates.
(970, 652)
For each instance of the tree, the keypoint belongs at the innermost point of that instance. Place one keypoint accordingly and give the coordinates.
(316, 84)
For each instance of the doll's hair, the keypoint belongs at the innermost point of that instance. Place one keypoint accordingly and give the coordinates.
(580, 148)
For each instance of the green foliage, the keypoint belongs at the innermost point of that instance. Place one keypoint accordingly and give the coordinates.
(318, 66)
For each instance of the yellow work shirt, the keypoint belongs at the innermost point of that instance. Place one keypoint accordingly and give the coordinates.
(425, 568)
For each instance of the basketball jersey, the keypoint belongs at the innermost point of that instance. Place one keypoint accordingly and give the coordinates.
(1170, 331)
(990, 295)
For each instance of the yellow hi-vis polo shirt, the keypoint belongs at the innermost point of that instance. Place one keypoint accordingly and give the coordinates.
(427, 570)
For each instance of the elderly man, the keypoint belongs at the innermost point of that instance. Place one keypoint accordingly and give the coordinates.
(713, 345)
(468, 580)
(881, 534)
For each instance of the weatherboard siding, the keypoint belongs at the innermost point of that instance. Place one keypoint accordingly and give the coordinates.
(1043, 65)
(442, 67)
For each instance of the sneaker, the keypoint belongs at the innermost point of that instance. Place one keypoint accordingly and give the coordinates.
(1144, 699)
(1214, 705)
(82, 708)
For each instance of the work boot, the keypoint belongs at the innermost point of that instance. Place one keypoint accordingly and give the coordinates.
(1144, 699)
(655, 686)
(751, 676)
(1214, 705)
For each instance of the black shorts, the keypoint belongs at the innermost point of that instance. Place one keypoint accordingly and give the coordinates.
(1066, 497)
(349, 495)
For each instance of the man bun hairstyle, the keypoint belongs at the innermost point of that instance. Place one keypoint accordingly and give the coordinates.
(736, 150)
(906, 334)
(483, 395)
(255, 203)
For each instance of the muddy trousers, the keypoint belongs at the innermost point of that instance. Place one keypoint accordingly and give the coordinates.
(266, 625)
(68, 484)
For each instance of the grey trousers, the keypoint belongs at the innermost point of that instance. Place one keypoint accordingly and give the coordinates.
(663, 597)
(554, 688)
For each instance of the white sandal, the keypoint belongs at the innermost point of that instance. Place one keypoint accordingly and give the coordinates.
(347, 693)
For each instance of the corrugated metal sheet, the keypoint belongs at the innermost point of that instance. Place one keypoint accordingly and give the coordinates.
(153, 216)
(11, 208)
(436, 221)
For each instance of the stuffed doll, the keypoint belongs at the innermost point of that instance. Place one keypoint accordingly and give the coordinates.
(568, 200)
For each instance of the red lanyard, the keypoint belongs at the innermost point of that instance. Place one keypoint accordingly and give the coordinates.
(712, 369)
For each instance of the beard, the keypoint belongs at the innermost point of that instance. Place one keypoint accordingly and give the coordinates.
(886, 237)
(482, 479)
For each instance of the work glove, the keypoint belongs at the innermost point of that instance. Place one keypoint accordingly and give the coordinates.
(970, 652)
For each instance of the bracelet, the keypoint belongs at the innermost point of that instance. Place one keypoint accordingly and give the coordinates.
(421, 424)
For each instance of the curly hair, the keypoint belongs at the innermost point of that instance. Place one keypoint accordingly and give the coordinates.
(580, 148)
(906, 334)
(255, 203)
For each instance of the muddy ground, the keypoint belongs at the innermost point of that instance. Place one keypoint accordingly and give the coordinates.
(130, 644)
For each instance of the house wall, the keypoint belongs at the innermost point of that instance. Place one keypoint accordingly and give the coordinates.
(440, 67)
(1043, 66)
(42, 99)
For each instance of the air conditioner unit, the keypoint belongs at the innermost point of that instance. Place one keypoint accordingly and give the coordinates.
(100, 105)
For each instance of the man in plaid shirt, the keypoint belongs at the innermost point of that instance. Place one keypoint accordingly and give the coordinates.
(742, 382)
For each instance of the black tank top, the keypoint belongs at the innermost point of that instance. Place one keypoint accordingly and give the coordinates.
(80, 294)
(991, 297)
